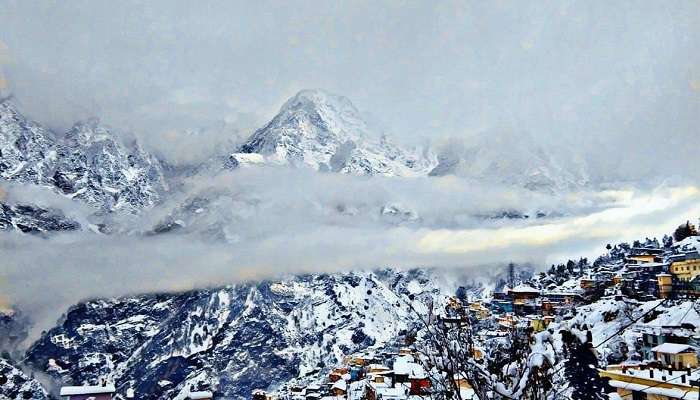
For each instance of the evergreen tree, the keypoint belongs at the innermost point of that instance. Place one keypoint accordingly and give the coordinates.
(668, 241)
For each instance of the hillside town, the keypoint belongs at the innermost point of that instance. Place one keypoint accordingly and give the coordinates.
(655, 283)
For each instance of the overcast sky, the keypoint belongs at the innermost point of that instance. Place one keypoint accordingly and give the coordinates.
(600, 75)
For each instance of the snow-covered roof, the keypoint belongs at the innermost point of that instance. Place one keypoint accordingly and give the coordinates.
(649, 265)
(79, 390)
(398, 392)
(557, 293)
(406, 366)
(522, 288)
(200, 395)
(672, 348)
(340, 384)
(378, 367)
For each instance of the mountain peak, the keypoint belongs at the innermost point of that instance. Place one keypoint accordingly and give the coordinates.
(324, 131)
(321, 100)
(329, 113)
(86, 132)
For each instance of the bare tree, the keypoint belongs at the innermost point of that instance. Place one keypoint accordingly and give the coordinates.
(516, 368)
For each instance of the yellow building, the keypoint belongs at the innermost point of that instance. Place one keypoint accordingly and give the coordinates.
(686, 270)
(668, 378)
(537, 324)
(675, 355)
(479, 310)
(642, 258)
(665, 282)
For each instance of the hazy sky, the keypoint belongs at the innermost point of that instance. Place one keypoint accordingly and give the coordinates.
(612, 78)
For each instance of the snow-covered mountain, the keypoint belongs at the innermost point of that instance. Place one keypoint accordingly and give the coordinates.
(513, 158)
(88, 164)
(326, 132)
(33, 219)
(233, 339)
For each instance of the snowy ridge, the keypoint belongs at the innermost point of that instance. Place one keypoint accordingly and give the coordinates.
(88, 164)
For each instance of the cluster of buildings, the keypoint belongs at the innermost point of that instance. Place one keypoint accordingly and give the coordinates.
(522, 307)
(385, 376)
(650, 271)
(645, 272)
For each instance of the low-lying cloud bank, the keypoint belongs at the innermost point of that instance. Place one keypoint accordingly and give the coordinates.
(292, 221)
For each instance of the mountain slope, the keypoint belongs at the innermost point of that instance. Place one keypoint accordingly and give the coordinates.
(325, 132)
(88, 164)
(233, 339)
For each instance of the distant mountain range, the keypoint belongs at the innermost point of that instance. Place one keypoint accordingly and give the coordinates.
(513, 158)
(313, 130)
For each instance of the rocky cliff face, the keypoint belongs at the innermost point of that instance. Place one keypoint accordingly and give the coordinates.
(15, 384)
